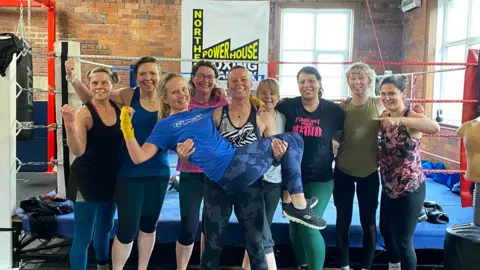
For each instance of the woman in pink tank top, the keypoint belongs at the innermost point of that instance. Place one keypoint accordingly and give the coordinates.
(403, 182)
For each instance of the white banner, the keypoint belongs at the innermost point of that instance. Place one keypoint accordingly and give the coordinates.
(226, 30)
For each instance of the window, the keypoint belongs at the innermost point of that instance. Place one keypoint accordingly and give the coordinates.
(457, 32)
(315, 35)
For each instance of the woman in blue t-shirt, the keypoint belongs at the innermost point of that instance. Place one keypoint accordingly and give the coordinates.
(232, 168)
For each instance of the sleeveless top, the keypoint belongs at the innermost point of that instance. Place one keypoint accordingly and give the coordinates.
(400, 163)
(185, 166)
(94, 173)
(239, 136)
(143, 122)
(274, 174)
(359, 143)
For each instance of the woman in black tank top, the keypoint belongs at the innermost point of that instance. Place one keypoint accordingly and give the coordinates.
(95, 138)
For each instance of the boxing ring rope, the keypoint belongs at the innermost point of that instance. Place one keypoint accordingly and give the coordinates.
(164, 59)
(272, 69)
(52, 126)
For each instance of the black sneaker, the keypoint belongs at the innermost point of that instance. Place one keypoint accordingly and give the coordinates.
(312, 201)
(306, 216)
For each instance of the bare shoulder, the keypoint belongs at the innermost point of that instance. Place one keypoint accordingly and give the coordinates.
(83, 112)
(83, 116)
(217, 115)
(265, 118)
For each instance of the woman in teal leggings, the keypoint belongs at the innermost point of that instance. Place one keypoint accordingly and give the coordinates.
(317, 120)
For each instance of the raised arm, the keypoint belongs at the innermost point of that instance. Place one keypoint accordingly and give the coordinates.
(137, 154)
(120, 96)
(76, 129)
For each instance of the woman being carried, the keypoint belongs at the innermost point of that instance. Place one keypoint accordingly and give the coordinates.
(232, 168)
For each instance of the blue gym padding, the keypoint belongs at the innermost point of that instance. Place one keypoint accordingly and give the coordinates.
(427, 235)
(35, 150)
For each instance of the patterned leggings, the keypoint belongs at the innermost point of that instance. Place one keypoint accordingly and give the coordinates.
(250, 162)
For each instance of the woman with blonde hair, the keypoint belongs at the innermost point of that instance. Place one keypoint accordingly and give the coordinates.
(194, 133)
(356, 167)
(140, 189)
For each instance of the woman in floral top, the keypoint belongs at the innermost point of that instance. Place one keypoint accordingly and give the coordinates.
(403, 190)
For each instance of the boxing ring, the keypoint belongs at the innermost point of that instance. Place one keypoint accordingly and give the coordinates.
(427, 236)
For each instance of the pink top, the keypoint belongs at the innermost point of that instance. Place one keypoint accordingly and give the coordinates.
(400, 163)
(187, 166)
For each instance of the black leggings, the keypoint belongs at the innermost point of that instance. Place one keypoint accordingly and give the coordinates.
(367, 195)
(191, 195)
(139, 202)
(272, 193)
(398, 220)
(250, 211)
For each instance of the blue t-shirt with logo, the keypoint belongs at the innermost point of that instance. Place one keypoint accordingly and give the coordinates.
(213, 153)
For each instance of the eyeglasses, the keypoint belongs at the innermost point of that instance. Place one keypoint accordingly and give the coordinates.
(201, 77)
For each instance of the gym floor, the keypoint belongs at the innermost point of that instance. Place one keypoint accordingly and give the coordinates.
(163, 257)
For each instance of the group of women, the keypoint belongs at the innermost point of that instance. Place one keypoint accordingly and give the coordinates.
(132, 171)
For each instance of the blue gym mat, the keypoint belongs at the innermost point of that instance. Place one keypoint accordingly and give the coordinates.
(427, 235)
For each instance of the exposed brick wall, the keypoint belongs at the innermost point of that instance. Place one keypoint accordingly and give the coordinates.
(152, 27)
(417, 47)
(388, 20)
(415, 43)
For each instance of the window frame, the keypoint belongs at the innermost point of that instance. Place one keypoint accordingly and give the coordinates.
(442, 46)
(347, 53)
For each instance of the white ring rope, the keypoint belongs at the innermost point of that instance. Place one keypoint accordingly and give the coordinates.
(95, 63)
(166, 59)
(422, 72)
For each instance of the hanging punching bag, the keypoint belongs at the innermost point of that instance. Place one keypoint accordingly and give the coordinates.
(25, 99)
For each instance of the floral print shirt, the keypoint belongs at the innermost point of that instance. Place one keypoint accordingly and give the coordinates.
(400, 163)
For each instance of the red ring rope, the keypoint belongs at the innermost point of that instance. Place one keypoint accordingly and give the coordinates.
(440, 135)
(427, 100)
(393, 63)
(445, 171)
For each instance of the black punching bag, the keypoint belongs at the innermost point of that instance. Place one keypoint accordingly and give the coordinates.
(25, 99)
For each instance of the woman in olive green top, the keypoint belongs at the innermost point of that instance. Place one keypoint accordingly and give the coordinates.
(356, 164)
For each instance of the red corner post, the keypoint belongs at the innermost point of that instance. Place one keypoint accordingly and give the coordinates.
(51, 22)
(51, 141)
(470, 92)
(272, 69)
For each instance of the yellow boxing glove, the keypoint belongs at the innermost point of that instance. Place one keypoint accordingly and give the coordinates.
(256, 102)
(126, 124)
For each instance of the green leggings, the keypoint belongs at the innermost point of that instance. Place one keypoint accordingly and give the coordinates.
(308, 244)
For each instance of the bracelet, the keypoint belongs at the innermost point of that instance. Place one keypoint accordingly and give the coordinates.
(74, 78)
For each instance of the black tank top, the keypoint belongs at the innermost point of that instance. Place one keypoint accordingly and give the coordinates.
(239, 136)
(94, 173)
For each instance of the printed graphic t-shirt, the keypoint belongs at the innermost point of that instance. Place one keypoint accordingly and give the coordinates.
(183, 166)
(318, 129)
(213, 152)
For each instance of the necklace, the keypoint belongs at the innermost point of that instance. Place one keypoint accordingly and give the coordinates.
(150, 101)
(239, 113)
